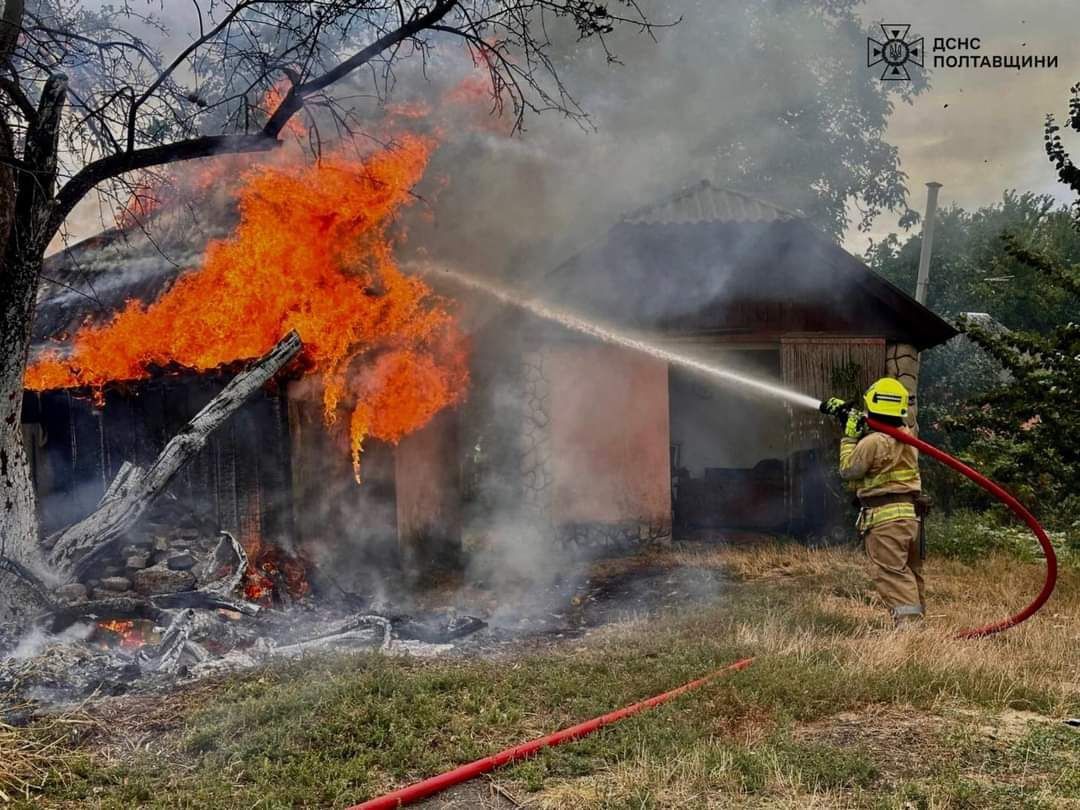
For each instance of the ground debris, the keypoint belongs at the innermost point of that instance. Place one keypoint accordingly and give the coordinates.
(98, 657)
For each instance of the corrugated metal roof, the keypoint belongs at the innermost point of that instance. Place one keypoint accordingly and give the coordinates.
(706, 202)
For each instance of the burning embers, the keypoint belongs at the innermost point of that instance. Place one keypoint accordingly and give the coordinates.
(271, 573)
(127, 634)
(311, 253)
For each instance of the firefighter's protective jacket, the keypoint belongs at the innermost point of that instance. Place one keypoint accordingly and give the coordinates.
(878, 465)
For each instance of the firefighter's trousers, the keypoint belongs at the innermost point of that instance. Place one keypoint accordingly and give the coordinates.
(893, 548)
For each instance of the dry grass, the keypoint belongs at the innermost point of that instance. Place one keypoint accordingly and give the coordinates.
(835, 583)
(767, 560)
(945, 753)
(1040, 653)
(30, 759)
(838, 711)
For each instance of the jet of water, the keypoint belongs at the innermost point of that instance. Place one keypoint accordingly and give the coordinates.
(613, 336)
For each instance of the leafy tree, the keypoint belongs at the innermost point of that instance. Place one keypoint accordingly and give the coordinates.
(1020, 424)
(1026, 432)
(812, 133)
(973, 271)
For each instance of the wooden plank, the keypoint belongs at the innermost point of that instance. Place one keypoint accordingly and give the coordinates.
(428, 489)
(88, 481)
(278, 467)
(228, 503)
(248, 457)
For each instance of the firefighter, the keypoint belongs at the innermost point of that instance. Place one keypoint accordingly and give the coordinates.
(885, 476)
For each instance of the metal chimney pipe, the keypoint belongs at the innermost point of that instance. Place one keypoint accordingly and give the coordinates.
(923, 283)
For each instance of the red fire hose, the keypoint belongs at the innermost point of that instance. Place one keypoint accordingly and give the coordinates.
(436, 784)
(1008, 500)
(429, 787)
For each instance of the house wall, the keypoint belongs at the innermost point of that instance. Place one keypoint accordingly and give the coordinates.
(609, 441)
(428, 480)
(347, 529)
(597, 424)
(239, 481)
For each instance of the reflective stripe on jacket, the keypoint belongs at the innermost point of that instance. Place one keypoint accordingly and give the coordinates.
(878, 464)
(869, 518)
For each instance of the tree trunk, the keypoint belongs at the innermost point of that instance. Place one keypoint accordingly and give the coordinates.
(18, 509)
(24, 250)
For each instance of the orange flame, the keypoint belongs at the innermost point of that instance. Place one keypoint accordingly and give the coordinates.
(311, 253)
(125, 632)
(273, 566)
(144, 199)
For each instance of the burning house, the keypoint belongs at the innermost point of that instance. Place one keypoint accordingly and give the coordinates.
(134, 332)
(616, 445)
(561, 435)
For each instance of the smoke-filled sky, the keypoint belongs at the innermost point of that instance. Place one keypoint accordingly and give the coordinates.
(989, 136)
(530, 201)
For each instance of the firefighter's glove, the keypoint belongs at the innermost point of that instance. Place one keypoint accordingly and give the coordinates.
(833, 406)
(855, 426)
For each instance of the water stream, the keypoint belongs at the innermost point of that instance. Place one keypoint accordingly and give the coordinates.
(614, 336)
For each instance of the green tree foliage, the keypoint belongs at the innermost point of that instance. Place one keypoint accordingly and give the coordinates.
(1005, 394)
(808, 132)
(1026, 432)
(973, 271)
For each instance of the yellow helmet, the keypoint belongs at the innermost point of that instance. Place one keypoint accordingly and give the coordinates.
(887, 397)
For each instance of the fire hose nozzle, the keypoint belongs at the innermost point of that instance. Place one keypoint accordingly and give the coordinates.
(834, 406)
(843, 411)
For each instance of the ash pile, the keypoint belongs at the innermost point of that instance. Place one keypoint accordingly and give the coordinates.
(176, 600)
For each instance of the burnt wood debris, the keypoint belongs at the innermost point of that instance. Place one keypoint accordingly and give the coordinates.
(86, 105)
(166, 599)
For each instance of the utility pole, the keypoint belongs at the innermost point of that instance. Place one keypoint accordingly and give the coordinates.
(923, 283)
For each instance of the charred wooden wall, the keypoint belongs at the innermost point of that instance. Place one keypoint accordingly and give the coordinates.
(347, 530)
(240, 480)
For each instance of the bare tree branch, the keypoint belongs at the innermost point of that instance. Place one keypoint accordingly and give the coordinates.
(295, 97)
(16, 94)
(78, 186)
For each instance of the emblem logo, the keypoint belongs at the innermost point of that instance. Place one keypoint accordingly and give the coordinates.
(895, 52)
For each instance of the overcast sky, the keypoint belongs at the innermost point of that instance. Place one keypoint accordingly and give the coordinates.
(977, 131)
(989, 136)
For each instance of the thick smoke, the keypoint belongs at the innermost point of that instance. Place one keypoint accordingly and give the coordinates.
(738, 93)
(731, 92)
(757, 96)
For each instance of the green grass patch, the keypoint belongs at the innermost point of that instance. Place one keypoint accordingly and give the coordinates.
(968, 535)
(330, 731)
